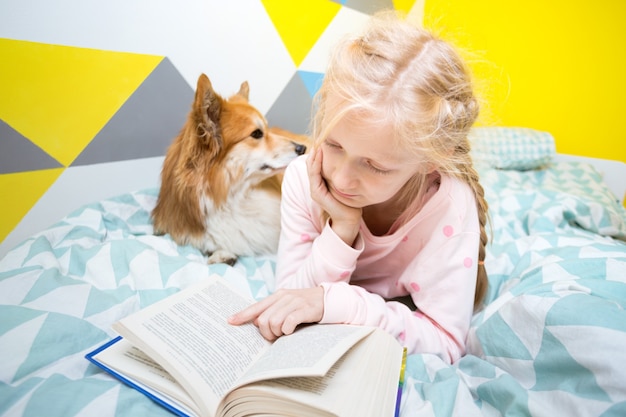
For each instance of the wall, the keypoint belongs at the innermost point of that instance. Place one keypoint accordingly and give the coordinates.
(554, 65)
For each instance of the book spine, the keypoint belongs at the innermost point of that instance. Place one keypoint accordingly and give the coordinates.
(400, 383)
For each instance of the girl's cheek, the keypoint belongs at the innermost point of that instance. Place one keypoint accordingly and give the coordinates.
(325, 168)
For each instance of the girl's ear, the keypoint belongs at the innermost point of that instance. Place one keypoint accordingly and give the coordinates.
(427, 168)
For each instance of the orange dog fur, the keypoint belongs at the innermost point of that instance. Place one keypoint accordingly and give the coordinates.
(220, 182)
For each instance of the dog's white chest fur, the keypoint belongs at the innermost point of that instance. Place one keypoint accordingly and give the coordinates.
(247, 224)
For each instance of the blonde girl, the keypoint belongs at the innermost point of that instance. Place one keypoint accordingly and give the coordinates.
(383, 223)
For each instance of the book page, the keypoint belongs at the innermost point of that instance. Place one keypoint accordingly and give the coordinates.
(363, 382)
(309, 351)
(188, 334)
(136, 367)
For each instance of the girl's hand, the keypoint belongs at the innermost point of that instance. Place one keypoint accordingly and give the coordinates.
(344, 220)
(280, 313)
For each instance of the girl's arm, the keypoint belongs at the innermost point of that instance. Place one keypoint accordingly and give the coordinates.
(441, 283)
(310, 251)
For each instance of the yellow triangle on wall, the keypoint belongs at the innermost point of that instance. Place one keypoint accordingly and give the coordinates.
(300, 23)
(20, 192)
(60, 97)
(406, 5)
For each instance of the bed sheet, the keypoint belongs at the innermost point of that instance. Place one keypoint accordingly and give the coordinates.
(549, 340)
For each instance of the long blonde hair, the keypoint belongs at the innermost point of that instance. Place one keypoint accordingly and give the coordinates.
(396, 71)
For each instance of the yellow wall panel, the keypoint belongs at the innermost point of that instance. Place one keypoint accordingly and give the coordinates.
(556, 66)
(42, 84)
(406, 5)
(300, 23)
(20, 192)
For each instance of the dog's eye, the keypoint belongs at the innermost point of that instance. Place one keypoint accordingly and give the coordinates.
(257, 134)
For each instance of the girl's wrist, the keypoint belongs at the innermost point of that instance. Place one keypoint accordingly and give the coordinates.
(345, 230)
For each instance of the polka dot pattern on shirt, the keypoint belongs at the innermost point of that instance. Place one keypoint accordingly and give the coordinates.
(448, 231)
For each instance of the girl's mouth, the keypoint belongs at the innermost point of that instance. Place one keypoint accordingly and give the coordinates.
(343, 195)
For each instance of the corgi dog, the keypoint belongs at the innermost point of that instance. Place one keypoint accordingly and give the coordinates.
(221, 178)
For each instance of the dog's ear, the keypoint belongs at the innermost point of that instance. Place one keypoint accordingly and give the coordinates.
(208, 108)
(244, 90)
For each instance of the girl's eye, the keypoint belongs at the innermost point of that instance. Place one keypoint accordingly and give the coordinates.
(331, 145)
(377, 170)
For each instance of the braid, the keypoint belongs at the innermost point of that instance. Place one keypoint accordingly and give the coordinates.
(482, 283)
(458, 115)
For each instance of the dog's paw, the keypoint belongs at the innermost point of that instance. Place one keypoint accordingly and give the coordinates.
(222, 257)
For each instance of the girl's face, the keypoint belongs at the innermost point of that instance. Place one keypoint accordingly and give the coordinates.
(361, 164)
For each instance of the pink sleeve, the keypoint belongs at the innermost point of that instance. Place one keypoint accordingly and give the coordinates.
(441, 284)
(309, 252)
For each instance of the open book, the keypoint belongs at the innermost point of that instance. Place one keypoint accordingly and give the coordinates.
(182, 353)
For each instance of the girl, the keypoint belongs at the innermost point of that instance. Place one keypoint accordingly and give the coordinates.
(383, 223)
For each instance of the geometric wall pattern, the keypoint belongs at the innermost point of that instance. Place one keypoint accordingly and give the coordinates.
(55, 101)
(146, 123)
(65, 107)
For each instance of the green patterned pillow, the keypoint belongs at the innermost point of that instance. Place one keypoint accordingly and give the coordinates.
(511, 147)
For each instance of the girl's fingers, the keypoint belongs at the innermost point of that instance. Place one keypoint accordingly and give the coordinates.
(318, 188)
(314, 168)
(250, 313)
(277, 320)
(270, 323)
(283, 311)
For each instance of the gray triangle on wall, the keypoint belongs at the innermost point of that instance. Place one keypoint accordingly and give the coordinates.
(19, 154)
(147, 122)
(367, 6)
(292, 108)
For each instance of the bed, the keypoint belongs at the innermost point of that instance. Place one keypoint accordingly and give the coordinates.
(550, 339)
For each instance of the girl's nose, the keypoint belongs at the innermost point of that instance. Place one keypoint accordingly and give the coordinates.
(344, 177)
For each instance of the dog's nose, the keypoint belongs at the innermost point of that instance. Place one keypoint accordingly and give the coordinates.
(300, 149)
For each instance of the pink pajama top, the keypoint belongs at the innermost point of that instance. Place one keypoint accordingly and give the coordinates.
(432, 258)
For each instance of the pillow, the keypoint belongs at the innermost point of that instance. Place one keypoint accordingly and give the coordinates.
(511, 147)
